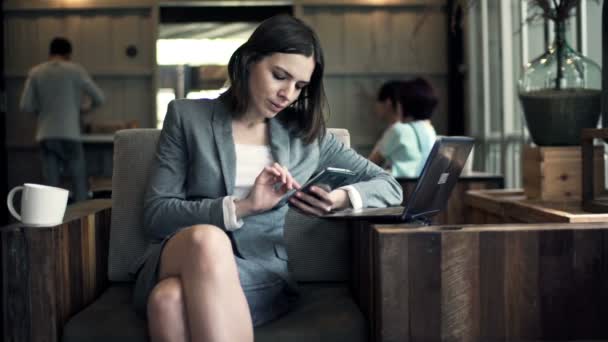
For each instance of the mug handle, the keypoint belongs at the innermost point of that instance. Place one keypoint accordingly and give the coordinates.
(9, 202)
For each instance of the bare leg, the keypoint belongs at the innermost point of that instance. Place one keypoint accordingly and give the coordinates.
(167, 312)
(201, 257)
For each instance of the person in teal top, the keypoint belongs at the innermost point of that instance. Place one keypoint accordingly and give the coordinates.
(387, 109)
(406, 144)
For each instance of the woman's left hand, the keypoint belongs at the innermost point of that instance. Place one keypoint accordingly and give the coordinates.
(320, 202)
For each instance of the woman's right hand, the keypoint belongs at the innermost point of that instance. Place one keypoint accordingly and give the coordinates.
(269, 186)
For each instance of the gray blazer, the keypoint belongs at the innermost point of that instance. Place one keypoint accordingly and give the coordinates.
(195, 166)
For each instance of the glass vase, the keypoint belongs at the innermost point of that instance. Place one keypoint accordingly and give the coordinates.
(560, 93)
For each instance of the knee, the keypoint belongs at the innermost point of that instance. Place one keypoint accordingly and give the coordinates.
(209, 243)
(166, 300)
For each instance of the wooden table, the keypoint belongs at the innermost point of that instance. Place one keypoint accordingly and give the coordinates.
(511, 206)
(456, 212)
(45, 288)
(484, 283)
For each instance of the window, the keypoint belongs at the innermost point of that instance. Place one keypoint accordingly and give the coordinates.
(192, 60)
(195, 44)
(498, 44)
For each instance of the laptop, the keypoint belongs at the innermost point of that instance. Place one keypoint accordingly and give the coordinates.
(433, 188)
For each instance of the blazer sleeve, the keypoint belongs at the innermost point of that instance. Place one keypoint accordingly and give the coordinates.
(166, 208)
(377, 188)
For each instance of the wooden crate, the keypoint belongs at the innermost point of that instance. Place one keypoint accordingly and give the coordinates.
(555, 173)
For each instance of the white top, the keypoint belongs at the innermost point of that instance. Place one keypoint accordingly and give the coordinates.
(406, 146)
(380, 142)
(250, 161)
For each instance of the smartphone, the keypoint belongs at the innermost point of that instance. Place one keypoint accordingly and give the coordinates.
(329, 178)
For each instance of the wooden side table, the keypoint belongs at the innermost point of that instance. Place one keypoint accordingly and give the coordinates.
(487, 283)
(49, 273)
(512, 206)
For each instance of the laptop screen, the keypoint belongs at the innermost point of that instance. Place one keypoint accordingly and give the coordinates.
(438, 177)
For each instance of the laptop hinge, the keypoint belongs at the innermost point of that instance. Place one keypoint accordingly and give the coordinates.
(420, 219)
(425, 218)
(425, 221)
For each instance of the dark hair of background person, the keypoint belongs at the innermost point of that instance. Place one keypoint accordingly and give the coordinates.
(390, 90)
(281, 34)
(418, 99)
(60, 46)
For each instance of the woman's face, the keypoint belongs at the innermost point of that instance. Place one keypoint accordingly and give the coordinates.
(276, 81)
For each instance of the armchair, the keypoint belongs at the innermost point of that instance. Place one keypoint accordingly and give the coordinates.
(71, 283)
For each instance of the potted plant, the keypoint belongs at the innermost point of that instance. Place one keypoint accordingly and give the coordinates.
(560, 91)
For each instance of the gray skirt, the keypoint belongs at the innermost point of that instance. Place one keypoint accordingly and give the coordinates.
(268, 295)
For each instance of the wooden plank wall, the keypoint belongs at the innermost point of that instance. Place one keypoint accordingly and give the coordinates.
(367, 43)
(100, 34)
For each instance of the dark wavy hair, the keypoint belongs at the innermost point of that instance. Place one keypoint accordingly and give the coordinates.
(390, 90)
(418, 99)
(281, 34)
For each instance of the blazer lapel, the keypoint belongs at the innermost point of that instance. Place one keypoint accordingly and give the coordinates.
(222, 133)
(279, 142)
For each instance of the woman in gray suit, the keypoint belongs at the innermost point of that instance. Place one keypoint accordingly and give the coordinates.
(217, 265)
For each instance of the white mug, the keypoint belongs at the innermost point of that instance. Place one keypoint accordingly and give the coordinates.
(41, 205)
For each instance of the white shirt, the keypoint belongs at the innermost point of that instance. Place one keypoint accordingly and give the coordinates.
(250, 161)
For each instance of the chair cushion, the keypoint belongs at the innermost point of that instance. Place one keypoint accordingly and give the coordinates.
(110, 318)
(325, 312)
(318, 250)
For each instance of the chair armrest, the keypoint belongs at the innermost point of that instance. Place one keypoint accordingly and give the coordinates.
(50, 273)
